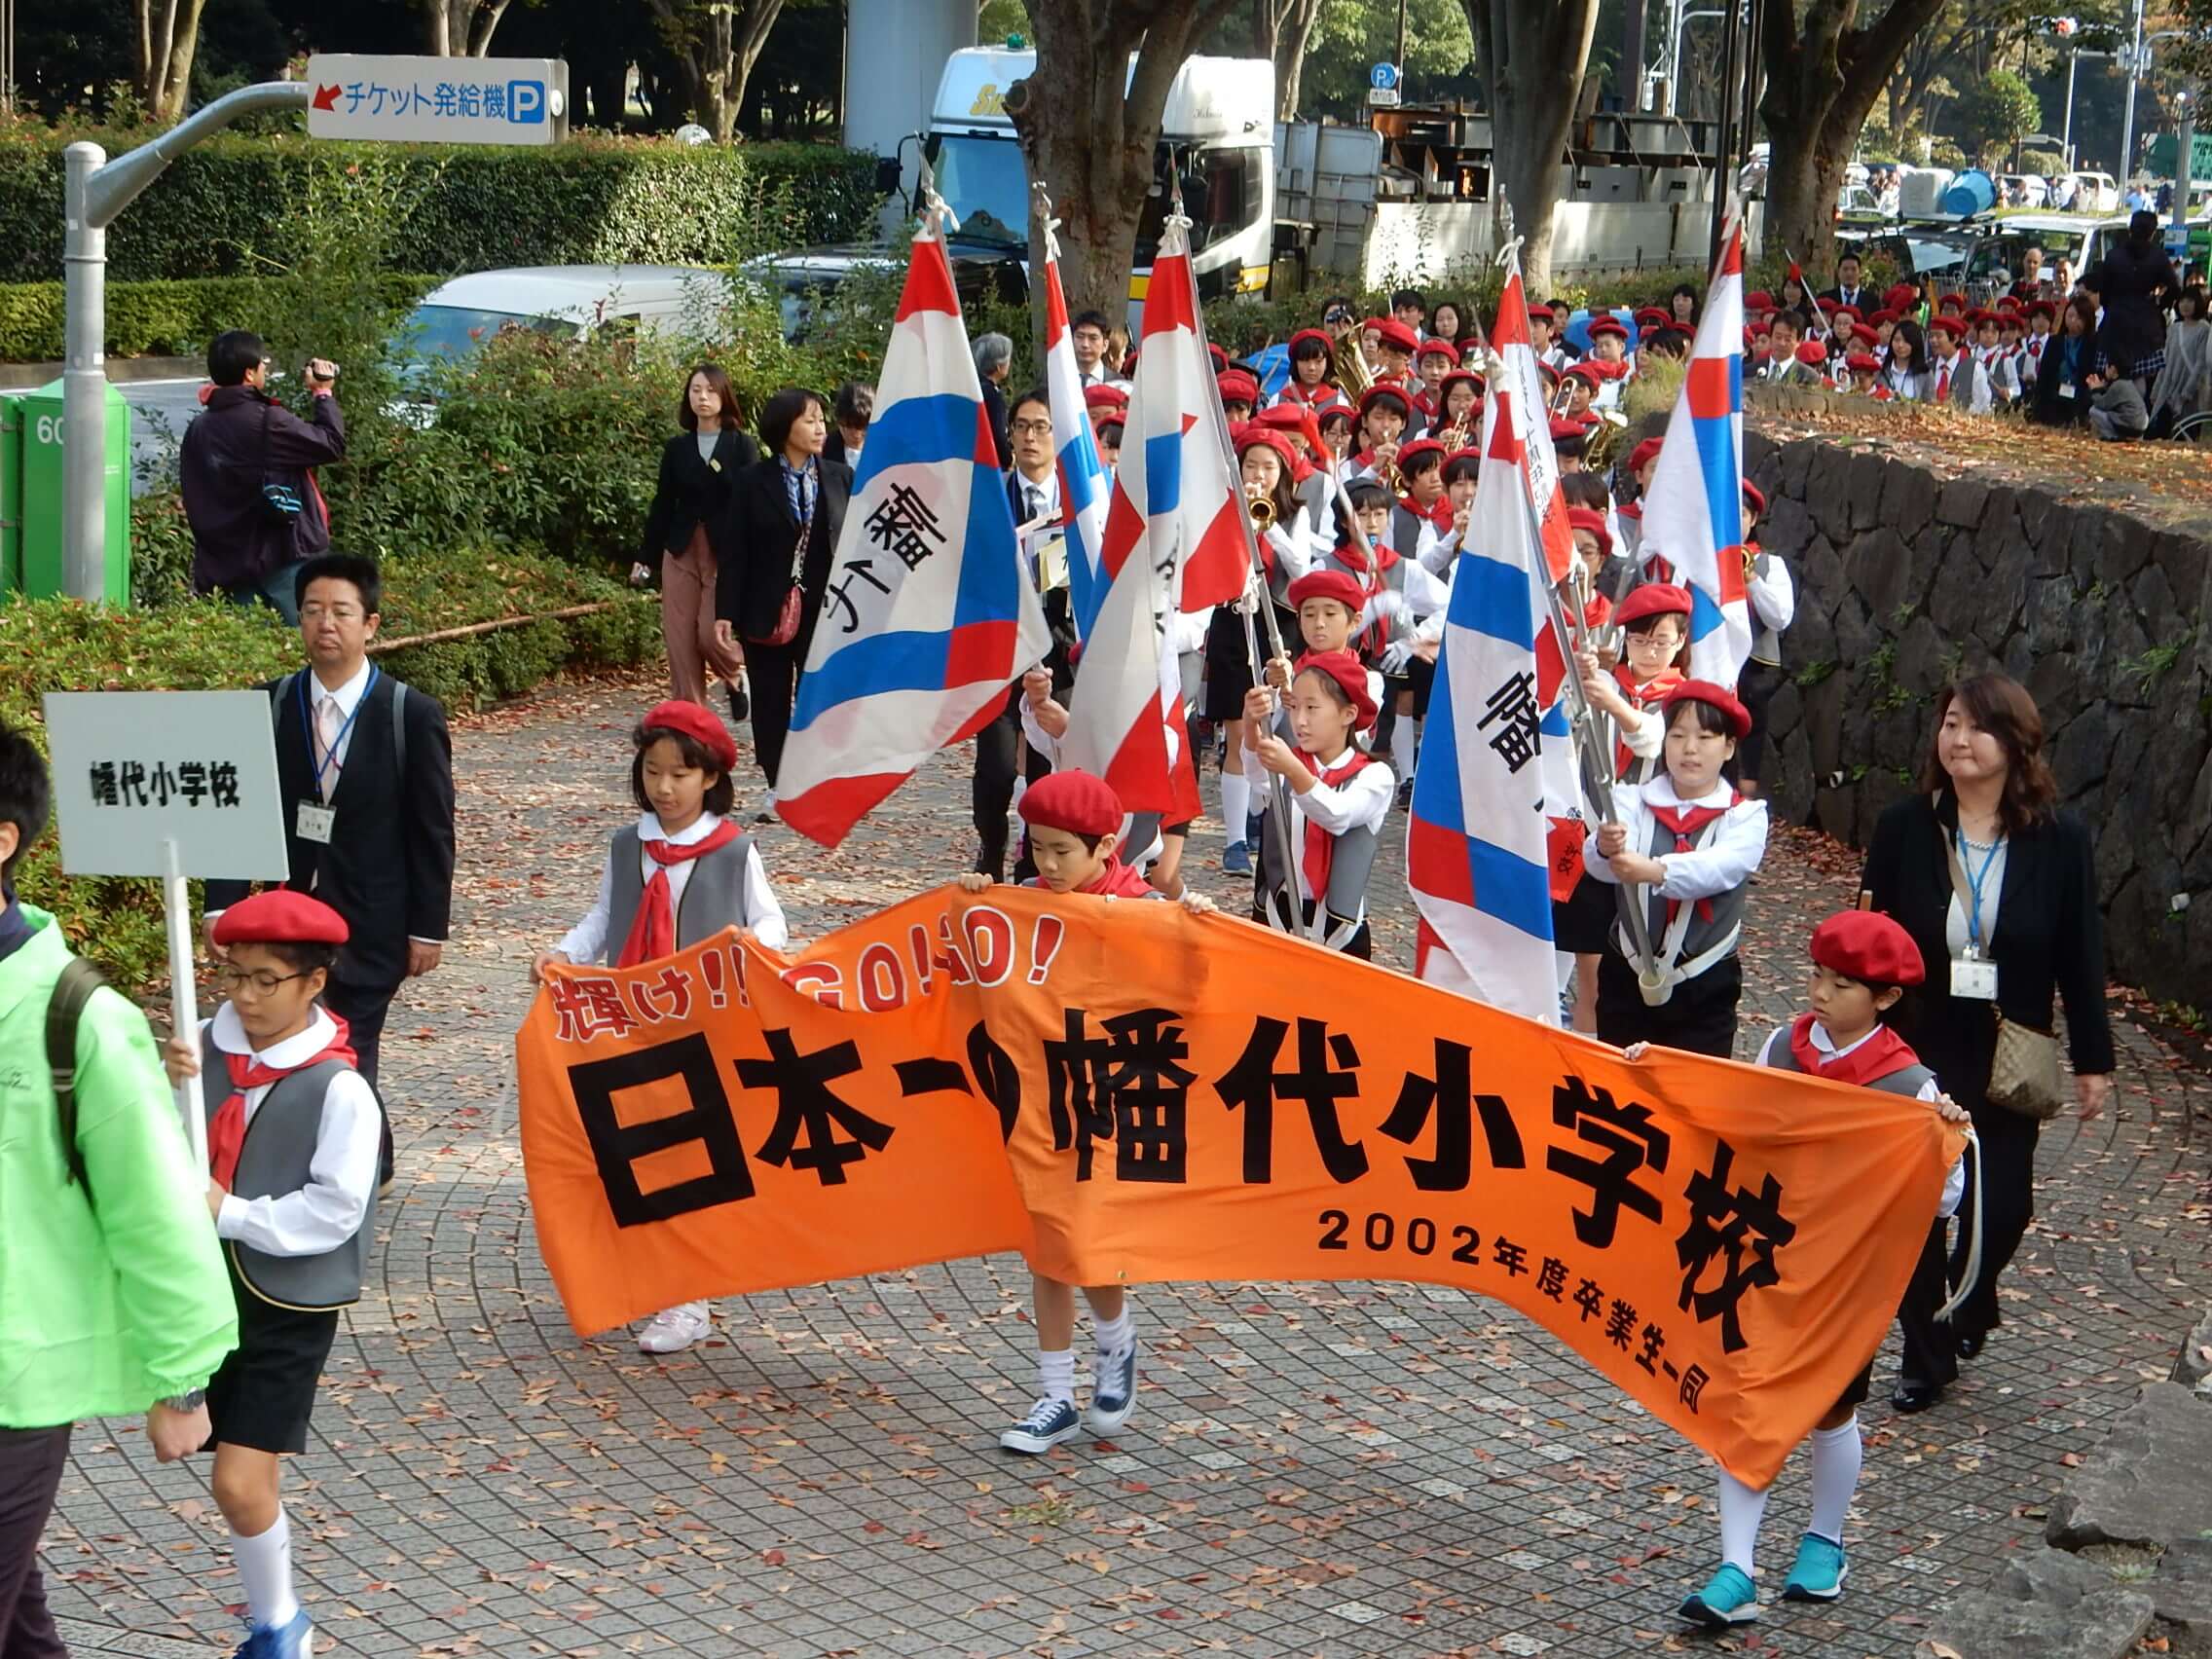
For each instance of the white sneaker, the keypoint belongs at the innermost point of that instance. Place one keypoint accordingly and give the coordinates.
(676, 1329)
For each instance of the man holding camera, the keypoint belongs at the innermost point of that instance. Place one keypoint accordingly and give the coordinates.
(246, 469)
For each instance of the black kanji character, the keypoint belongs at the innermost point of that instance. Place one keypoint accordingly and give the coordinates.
(1694, 1380)
(994, 1070)
(1253, 1086)
(1729, 1225)
(1449, 1098)
(1620, 1324)
(1512, 1257)
(1654, 1339)
(192, 780)
(901, 522)
(1631, 1142)
(163, 784)
(1551, 1277)
(223, 783)
(130, 782)
(617, 1147)
(1590, 1299)
(1513, 706)
(1127, 1087)
(103, 783)
(805, 1103)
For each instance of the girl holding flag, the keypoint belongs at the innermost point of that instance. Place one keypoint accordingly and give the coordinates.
(680, 874)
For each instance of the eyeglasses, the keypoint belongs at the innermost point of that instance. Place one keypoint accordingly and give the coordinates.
(336, 612)
(264, 982)
(1033, 428)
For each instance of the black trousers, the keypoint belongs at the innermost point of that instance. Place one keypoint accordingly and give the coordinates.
(1931, 1355)
(31, 1473)
(772, 672)
(999, 754)
(1700, 1017)
(363, 1009)
(2006, 1201)
(1755, 691)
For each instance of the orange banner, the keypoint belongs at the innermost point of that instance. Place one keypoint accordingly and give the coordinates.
(1129, 1094)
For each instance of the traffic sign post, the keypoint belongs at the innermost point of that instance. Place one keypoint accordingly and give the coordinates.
(438, 100)
(171, 783)
(1382, 86)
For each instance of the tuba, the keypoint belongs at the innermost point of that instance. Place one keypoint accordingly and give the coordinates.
(1354, 377)
(1598, 453)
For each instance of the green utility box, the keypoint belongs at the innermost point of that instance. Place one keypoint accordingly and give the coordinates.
(31, 561)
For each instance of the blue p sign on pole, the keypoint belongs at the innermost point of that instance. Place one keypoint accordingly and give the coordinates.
(526, 102)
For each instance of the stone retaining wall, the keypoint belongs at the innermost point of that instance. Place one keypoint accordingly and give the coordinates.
(1908, 577)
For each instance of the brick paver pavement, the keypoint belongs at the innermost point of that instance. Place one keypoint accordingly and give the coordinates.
(1312, 1469)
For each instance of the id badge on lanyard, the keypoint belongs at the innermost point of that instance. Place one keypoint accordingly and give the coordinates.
(1974, 976)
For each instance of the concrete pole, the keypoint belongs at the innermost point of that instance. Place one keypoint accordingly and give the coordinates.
(2066, 138)
(2127, 123)
(94, 191)
(2184, 140)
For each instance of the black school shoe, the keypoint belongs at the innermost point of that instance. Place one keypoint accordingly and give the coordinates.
(1912, 1397)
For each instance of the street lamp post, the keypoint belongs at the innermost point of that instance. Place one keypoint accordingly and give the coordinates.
(2135, 67)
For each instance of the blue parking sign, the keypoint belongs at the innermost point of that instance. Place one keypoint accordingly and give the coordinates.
(526, 102)
(1383, 77)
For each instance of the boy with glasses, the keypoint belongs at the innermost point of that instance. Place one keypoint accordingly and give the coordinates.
(292, 1133)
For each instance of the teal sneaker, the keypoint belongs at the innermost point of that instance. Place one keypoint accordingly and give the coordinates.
(1727, 1599)
(1819, 1571)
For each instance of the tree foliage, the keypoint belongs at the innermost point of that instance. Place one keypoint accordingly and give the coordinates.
(1997, 111)
(716, 43)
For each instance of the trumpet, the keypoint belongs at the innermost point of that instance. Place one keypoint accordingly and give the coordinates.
(1261, 506)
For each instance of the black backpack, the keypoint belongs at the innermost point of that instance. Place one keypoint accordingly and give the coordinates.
(63, 1010)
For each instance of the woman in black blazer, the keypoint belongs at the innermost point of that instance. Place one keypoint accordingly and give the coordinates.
(769, 541)
(684, 529)
(1986, 791)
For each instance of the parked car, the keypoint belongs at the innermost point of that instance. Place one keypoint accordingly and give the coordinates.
(573, 300)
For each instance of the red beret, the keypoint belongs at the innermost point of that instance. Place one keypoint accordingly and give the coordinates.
(1592, 521)
(1412, 452)
(1219, 357)
(1252, 435)
(1755, 496)
(1951, 302)
(281, 916)
(1759, 299)
(1653, 599)
(1566, 432)
(1900, 295)
(1349, 672)
(1374, 394)
(1950, 323)
(1812, 354)
(1649, 450)
(1851, 311)
(1605, 325)
(1878, 317)
(1338, 585)
(1105, 397)
(1862, 363)
(1462, 377)
(1076, 802)
(1586, 371)
(1869, 946)
(2041, 307)
(1824, 305)
(1440, 347)
(1281, 417)
(1539, 308)
(694, 720)
(1864, 335)
(1653, 316)
(1705, 691)
(1315, 334)
(1238, 387)
(1749, 338)
(1395, 334)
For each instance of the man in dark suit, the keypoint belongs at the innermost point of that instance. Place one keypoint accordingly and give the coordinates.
(365, 766)
(1848, 290)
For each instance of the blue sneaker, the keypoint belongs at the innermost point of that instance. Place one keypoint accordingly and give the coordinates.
(1050, 1423)
(1238, 860)
(1113, 1392)
(292, 1641)
(1727, 1599)
(1819, 1571)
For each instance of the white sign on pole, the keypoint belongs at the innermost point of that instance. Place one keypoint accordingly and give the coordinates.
(438, 100)
(1383, 97)
(171, 783)
(133, 769)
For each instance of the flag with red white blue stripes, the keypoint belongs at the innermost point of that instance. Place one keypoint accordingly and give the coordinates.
(1084, 483)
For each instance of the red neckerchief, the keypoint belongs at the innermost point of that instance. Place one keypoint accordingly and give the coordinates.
(1114, 880)
(1319, 395)
(225, 1135)
(1437, 512)
(1320, 846)
(653, 931)
(1883, 1053)
(1598, 613)
(1643, 696)
(1688, 823)
(2035, 344)
(1881, 394)
(1371, 582)
(1633, 510)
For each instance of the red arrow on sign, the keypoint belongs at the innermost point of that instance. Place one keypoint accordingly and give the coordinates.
(326, 98)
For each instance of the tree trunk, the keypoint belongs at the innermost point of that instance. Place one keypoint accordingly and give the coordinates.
(462, 29)
(1290, 56)
(169, 37)
(1823, 76)
(1090, 140)
(1534, 54)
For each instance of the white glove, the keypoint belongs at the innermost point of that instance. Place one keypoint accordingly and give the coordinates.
(1396, 656)
(1383, 607)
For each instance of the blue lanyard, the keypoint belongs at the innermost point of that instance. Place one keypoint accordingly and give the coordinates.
(1974, 879)
(307, 721)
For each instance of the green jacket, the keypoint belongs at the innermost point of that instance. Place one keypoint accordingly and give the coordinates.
(110, 1302)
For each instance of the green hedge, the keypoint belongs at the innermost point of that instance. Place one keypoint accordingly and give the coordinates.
(218, 208)
(163, 319)
(60, 646)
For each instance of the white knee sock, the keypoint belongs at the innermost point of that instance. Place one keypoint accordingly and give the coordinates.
(1837, 1453)
(265, 1564)
(1055, 1374)
(1236, 803)
(1116, 1333)
(1741, 1509)
(1403, 741)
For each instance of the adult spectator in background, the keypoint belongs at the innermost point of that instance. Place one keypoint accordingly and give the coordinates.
(366, 767)
(113, 1295)
(1848, 290)
(1087, 333)
(2133, 282)
(1997, 888)
(247, 471)
(2070, 362)
(850, 411)
(2183, 386)
(683, 527)
(2030, 285)
(785, 515)
(994, 361)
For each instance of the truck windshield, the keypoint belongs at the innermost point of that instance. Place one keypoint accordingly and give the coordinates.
(984, 181)
(1221, 194)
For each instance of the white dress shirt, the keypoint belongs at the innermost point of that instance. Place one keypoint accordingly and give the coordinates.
(586, 942)
(1773, 595)
(1731, 851)
(347, 698)
(1955, 1182)
(328, 1210)
(1362, 801)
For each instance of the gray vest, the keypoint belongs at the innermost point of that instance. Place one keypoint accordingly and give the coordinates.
(1907, 1081)
(1343, 905)
(1767, 642)
(277, 1156)
(1701, 934)
(714, 896)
